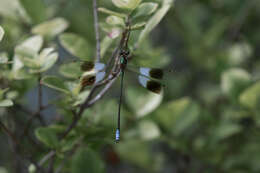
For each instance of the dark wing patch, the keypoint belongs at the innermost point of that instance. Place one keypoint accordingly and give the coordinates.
(154, 86)
(88, 80)
(156, 73)
(87, 66)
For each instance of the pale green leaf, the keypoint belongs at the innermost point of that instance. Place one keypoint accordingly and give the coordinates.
(141, 102)
(155, 20)
(13, 10)
(148, 130)
(145, 9)
(71, 70)
(126, 4)
(55, 83)
(138, 26)
(114, 20)
(3, 58)
(49, 61)
(51, 28)
(76, 45)
(113, 13)
(239, 53)
(105, 44)
(251, 96)
(178, 116)
(87, 161)
(32, 168)
(3, 170)
(226, 130)
(6, 103)
(32, 44)
(1, 33)
(234, 81)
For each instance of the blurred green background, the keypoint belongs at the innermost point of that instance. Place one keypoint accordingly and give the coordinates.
(207, 119)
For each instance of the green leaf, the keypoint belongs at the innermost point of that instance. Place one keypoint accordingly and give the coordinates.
(145, 9)
(141, 102)
(35, 9)
(71, 70)
(46, 60)
(178, 116)
(137, 152)
(87, 161)
(126, 4)
(251, 96)
(76, 45)
(3, 170)
(32, 44)
(114, 20)
(51, 28)
(226, 130)
(55, 83)
(2, 92)
(105, 44)
(47, 136)
(148, 130)
(138, 26)
(155, 20)
(113, 13)
(3, 58)
(239, 53)
(13, 10)
(32, 168)
(234, 81)
(6, 103)
(1, 33)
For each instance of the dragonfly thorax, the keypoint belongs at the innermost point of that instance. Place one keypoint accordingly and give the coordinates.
(123, 59)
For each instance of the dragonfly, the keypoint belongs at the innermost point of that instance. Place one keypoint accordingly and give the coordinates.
(149, 78)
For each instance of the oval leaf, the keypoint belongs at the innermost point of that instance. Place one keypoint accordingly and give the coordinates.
(1, 33)
(71, 70)
(234, 81)
(155, 19)
(55, 83)
(76, 45)
(114, 20)
(142, 103)
(47, 136)
(87, 161)
(110, 12)
(6, 103)
(127, 4)
(145, 9)
(251, 96)
(178, 116)
(51, 28)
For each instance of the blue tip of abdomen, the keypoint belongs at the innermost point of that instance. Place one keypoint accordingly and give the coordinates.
(117, 135)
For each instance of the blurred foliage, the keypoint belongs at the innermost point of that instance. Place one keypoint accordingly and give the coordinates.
(206, 120)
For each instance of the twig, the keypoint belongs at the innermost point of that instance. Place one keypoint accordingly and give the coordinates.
(40, 107)
(95, 13)
(47, 157)
(9, 133)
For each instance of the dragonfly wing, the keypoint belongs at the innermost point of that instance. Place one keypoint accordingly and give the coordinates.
(155, 73)
(151, 85)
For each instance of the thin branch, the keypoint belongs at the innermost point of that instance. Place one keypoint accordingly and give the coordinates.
(47, 157)
(9, 133)
(40, 106)
(95, 13)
